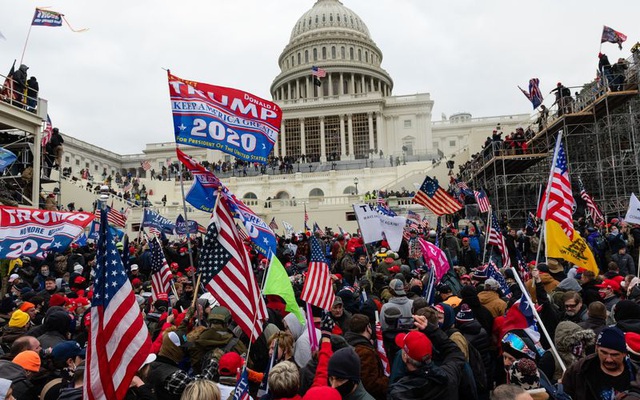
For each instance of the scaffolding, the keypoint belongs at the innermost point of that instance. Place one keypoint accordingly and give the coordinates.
(601, 134)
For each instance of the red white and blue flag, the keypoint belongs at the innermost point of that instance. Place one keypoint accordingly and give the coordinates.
(435, 198)
(160, 273)
(34, 233)
(119, 341)
(592, 208)
(318, 288)
(560, 203)
(482, 200)
(46, 18)
(612, 36)
(497, 239)
(534, 94)
(225, 119)
(47, 132)
(318, 72)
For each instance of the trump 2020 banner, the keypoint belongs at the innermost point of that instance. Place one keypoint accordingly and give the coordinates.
(33, 233)
(225, 119)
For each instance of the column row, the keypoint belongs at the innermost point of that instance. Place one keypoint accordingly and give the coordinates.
(333, 84)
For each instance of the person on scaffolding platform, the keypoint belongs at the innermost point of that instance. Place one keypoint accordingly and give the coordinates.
(563, 99)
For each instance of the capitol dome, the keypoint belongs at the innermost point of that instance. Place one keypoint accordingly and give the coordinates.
(328, 14)
(332, 37)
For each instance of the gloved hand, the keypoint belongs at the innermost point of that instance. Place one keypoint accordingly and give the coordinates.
(327, 325)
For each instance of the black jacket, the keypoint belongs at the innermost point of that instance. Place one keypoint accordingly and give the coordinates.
(431, 381)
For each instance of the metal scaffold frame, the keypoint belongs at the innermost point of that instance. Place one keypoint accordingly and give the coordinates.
(602, 141)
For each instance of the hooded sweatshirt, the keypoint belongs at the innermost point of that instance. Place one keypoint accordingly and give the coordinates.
(569, 336)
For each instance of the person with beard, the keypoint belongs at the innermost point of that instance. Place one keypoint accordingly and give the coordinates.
(574, 309)
(340, 316)
(372, 373)
(604, 374)
(186, 298)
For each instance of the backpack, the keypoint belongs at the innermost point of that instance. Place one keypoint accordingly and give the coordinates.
(478, 369)
(601, 243)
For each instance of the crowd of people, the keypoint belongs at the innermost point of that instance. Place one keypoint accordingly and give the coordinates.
(470, 340)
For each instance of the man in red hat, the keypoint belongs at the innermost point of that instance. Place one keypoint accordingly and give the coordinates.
(425, 380)
(609, 291)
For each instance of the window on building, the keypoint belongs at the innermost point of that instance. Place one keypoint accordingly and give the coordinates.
(292, 61)
(299, 59)
(330, 17)
(95, 167)
(324, 53)
(315, 54)
(333, 52)
(316, 192)
(66, 159)
(407, 123)
(250, 195)
(359, 54)
(452, 143)
(351, 53)
(78, 163)
(366, 56)
(343, 53)
(306, 56)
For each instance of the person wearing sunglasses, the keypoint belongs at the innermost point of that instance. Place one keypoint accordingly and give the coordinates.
(518, 343)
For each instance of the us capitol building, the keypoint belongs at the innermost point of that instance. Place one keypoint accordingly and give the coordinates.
(356, 135)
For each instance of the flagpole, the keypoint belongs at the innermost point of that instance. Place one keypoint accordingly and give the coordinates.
(26, 41)
(525, 292)
(186, 217)
(543, 213)
(486, 233)
(542, 223)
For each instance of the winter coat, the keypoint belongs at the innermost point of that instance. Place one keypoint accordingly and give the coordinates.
(492, 302)
(568, 335)
(371, 371)
(402, 303)
(431, 381)
(549, 283)
(579, 388)
(22, 387)
(479, 338)
(625, 263)
(71, 394)
(595, 324)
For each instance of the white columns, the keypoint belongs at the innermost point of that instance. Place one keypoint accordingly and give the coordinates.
(350, 133)
(379, 130)
(297, 89)
(353, 84)
(330, 86)
(341, 89)
(303, 142)
(323, 142)
(343, 144)
(283, 139)
(371, 144)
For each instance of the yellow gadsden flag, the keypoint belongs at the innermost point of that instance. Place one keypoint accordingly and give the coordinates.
(576, 251)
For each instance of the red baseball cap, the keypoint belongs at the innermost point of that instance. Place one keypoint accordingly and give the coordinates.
(395, 269)
(416, 344)
(609, 283)
(465, 276)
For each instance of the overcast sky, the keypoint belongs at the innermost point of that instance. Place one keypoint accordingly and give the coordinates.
(107, 86)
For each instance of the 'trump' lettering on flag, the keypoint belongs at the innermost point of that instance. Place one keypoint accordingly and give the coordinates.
(482, 200)
(573, 250)
(560, 199)
(6, 158)
(534, 95)
(437, 257)
(633, 212)
(119, 341)
(182, 226)
(226, 269)
(151, 219)
(435, 198)
(225, 119)
(318, 288)
(161, 274)
(33, 233)
(612, 36)
(46, 18)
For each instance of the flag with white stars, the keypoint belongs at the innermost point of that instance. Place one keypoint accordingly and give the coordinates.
(226, 271)
(160, 273)
(119, 340)
(318, 288)
(560, 198)
(435, 198)
(497, 239)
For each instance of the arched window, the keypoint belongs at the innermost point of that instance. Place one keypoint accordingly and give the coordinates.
(324, 53)
(333, 52)
(343, 53)
(317, 192)
(351, 53)
(349, 190)
(366, 56)
(330, 17)
(315, 54)
(306, 56)
(282, 195)
(292, 64)
(359, 54)
(299, 59)
(250, 195)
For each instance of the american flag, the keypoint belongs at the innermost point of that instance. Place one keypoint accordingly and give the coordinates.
(381, 199)
(161, 274)
(497, 239)
(534, 95)
(241, 232)
(482, 200)
(127, 187)
(560, 202)
(146, 165)
(385, 210)
(241, 392)
(155, 232)
(318, 72)
(47, 132)
(612, 36)
(380, 349)
(114, 217)
(119, 340)
(306, 219)
(273, 224)
(318, 290)
(414, 216)
(435, 198)
(317, 229)
(493, 273)
(592, 209)
(226, 269)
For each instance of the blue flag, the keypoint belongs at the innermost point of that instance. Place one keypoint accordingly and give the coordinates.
(6, 158)
(152, 219)
(182, 226)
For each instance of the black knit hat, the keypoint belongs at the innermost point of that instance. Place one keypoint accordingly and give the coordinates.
(626, 309)
(345, 364)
